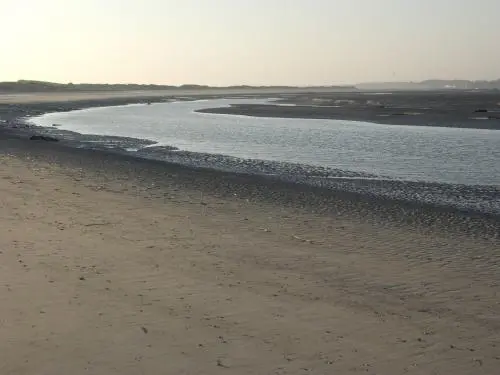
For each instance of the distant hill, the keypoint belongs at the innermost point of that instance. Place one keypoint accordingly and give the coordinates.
(432, 84)
(41, 86)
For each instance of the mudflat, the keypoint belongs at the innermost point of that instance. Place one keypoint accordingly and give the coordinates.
(462, 109)
(114, 265)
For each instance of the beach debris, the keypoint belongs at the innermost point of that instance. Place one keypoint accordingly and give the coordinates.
(203, 205)
(220, 364)
(43, 138)
(82, 278)
(481, 110)
(303, 239)
(478, 361)
(145, 330)
(201, 200)
(222, 339)
(97, 224)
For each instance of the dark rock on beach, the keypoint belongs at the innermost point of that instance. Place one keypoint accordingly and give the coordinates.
(43, 138)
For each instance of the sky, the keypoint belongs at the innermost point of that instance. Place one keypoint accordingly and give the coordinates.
(256, 42)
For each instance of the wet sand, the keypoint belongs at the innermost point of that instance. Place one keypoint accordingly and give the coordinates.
(117, 265)
(478, 110)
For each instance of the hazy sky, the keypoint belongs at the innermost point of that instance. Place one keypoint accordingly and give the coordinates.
(223, 42)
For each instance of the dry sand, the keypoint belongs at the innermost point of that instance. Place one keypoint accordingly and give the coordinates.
(114, 277)
(52, 97)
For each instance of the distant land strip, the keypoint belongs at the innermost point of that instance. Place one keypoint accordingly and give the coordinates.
(32, 86)
(41, 86)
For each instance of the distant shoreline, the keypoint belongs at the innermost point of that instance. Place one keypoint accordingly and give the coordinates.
(456, 85)
(27, 86)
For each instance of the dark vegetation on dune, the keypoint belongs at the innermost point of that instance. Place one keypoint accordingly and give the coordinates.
(22, 86)
(41, 86)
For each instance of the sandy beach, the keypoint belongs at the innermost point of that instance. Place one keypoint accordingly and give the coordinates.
(116, 265)
(53, 97)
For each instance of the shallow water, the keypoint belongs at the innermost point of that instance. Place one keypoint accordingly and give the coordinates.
(410, 153)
